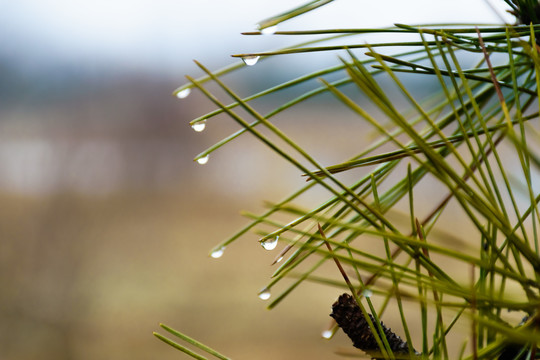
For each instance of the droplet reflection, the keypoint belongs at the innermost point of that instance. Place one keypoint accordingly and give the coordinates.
(367, 293)
(270, 244)
(183, 94)
(203, 160)
(250, 60)
(265, 294)
(216, 254)
(269, 30)
(327, 334)
(199, 126)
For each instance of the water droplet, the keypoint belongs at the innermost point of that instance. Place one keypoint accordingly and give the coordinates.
(327, 334)
(203, 160)
(280, 258)
(270, 244)
(183, 94)
(367, 293)
(216, 254)
(250, 60)
(199, 126)
(265, 294)
(269, 30)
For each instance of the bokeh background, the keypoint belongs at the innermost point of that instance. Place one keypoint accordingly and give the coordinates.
(105, 220)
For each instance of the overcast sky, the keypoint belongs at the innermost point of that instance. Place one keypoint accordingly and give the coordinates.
(167, 33)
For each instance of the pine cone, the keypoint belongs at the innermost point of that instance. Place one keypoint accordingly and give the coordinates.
(349, 317)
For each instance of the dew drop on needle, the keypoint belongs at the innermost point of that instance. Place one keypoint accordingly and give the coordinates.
(326, 334)
(265, 294)
(367, 293)
(217, 253)
(203, 160)
(199, 126)
(270, 244)
(250, 60)
(183, 94)
(269, 30)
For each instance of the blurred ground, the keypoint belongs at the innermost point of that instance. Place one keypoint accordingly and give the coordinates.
(91, 279)
(107, 223)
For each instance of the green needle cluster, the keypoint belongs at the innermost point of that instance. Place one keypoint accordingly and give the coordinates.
(476, 138)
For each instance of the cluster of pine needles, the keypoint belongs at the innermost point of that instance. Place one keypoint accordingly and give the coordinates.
(474, 139)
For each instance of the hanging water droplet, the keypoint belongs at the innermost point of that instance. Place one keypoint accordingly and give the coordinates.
(327, 334)
(203, 160)
(269, 30)
(216, 254)
(264, 294)
(367, 293)
(250, 60)
(270, 244)
(199, 126)
(183, 94)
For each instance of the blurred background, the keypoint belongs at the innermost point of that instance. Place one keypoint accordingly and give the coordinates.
(105, 220)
